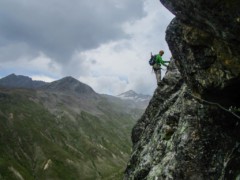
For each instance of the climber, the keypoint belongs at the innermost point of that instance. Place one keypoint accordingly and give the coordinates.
(157, 65)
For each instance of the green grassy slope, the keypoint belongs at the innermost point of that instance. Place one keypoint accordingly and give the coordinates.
(37, 144)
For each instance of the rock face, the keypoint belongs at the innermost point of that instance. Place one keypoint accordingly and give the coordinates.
(190, 129)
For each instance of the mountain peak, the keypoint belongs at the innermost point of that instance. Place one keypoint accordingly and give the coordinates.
(128, 93)
(67, 78)
(20, 81)
(69, 85)
(17, 76)
(11, 75)
(132, 95)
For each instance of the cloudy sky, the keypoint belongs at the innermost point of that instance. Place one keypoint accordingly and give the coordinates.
(105, 44)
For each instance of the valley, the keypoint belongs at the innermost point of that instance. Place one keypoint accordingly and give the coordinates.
(64, 130)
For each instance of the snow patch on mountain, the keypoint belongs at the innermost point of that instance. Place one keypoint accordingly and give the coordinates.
(132, 95)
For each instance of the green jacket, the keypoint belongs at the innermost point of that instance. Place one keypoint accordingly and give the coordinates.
(159, 62)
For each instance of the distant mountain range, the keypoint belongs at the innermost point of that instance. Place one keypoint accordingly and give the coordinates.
(66, 84)
(64, 130)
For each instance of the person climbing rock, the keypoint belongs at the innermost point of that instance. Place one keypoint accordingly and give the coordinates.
(157, 64)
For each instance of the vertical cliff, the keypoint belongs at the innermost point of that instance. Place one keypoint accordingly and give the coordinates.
(190, 129)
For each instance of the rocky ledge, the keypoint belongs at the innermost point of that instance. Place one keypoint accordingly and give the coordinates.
(190, 130)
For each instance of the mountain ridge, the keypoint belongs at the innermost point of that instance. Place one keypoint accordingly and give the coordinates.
(64, 84)
(20, 81)
(73, 87)
(68, 85)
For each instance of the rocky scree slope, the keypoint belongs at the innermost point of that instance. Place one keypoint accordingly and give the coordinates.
(190, 129)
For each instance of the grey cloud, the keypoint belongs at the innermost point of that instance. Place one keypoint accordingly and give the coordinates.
(59, 27)
(93, 61)
(13, 51)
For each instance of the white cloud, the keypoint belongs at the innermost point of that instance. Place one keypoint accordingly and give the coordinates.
(122, 65)
(110, 59)
(106, 84)
(39, 66)
(42, 78)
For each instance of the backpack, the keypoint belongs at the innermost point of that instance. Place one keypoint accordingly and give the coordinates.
(152, 60)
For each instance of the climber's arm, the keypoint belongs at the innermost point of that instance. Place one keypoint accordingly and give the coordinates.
(166, 61)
